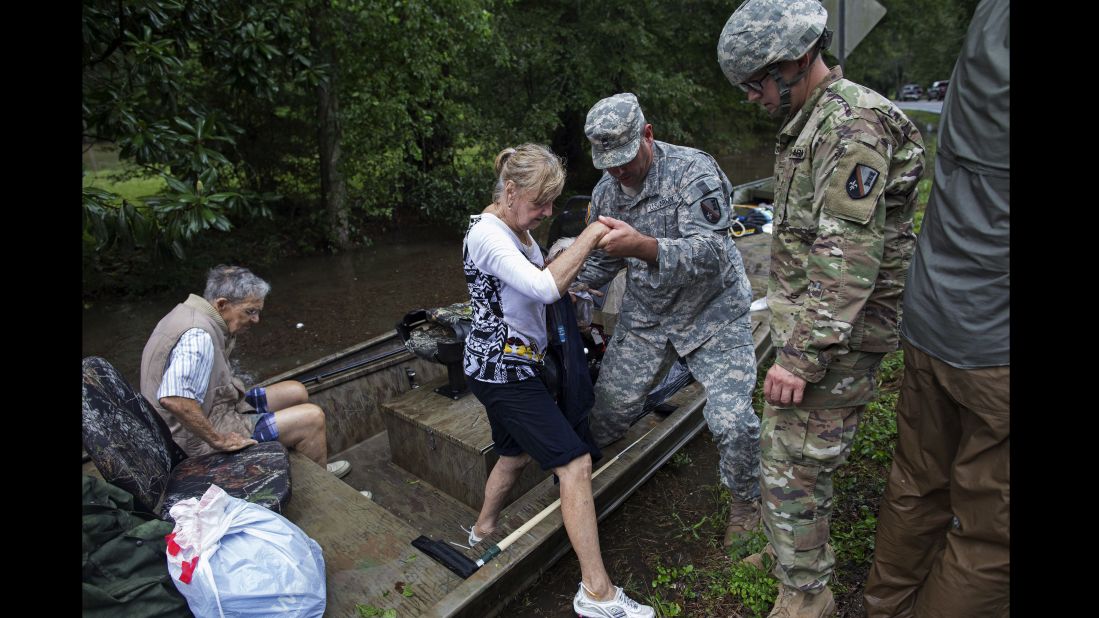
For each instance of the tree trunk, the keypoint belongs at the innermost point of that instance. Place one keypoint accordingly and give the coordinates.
(329, 134)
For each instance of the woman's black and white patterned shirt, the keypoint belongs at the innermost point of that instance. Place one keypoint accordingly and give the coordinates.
(509, 290)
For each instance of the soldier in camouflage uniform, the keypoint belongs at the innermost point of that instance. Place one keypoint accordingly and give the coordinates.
(686, 293)
(847, 164)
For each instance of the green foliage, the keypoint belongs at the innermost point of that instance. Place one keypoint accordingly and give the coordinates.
(681, 459)
(877, 434)
(892, 368)
(369, 611)
(688, 531)
(752, 543)
(754, 588)
(663, 607)
(412, 129)
(555, 58)
(421, 97)
(125, 186)
(163, 81)
(676, 577)
(853, 540)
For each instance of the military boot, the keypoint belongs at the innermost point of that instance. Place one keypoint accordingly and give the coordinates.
(764, 560)
(743, 517)
(793, 603)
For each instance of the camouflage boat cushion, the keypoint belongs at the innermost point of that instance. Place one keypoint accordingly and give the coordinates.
(132, 448)
(445, 324)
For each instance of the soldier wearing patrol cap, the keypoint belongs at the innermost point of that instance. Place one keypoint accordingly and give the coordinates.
(686, 293)
(846, 168)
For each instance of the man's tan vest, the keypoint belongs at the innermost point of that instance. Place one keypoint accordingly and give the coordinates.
(225, 394)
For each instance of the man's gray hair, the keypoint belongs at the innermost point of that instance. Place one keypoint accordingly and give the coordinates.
(234, 283)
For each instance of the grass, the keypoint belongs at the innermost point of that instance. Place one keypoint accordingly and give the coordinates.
(104, 170)
(712, 587)
(130, 189)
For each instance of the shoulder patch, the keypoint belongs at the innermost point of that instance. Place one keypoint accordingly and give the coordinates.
(861, 181)
(856, 183)
(711, 209)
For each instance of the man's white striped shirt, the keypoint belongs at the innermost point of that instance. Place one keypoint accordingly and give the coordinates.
(189, 367)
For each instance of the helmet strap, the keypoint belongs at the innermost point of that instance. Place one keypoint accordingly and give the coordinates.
(784, 86)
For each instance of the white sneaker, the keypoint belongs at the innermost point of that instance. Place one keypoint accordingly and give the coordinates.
(473, 538)
(620, 606)
(339, 468)
(368, 494)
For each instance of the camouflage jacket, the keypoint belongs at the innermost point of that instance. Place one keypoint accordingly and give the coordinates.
(846, 168)
(698, 284)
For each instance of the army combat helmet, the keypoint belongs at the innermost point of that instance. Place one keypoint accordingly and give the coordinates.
(762, 33)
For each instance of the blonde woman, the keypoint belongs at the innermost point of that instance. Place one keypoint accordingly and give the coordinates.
(509, 287)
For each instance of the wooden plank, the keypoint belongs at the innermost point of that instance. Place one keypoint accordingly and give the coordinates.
(423, 506)
(367, 556)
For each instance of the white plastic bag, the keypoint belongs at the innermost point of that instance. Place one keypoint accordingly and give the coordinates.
(230, 557)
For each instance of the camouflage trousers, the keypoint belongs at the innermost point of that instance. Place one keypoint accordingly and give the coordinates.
(725, 364)
(801, 451)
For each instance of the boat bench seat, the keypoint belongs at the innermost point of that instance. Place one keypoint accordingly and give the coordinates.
(132, 448)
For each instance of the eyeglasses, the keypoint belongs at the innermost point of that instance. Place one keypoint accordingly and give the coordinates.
(753, 85)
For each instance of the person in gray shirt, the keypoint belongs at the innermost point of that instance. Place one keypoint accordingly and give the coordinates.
(943, 542)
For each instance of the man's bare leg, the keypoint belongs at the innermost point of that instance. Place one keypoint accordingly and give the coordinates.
(301, 428)
(286, 394)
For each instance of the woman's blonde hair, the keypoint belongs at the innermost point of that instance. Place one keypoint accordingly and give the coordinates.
(530, 167)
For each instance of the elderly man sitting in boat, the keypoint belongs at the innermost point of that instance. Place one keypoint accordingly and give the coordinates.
(185, 374)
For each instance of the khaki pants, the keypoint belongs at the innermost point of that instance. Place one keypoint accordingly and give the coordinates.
(952, 461)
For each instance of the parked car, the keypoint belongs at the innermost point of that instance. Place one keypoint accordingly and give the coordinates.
(937, 90)
(911, 92)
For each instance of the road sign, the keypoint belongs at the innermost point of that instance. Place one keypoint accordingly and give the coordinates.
(861, 17)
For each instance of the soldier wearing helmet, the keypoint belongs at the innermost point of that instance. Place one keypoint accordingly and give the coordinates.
(847, 164)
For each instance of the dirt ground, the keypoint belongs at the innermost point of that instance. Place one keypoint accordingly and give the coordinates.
(676, 519)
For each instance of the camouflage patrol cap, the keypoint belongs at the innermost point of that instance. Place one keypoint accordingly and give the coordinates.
(614, 127)
(763, 32)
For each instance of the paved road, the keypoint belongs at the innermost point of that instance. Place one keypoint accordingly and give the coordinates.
(923, 106)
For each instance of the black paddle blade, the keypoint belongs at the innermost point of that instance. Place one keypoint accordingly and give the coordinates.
(447, 556)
